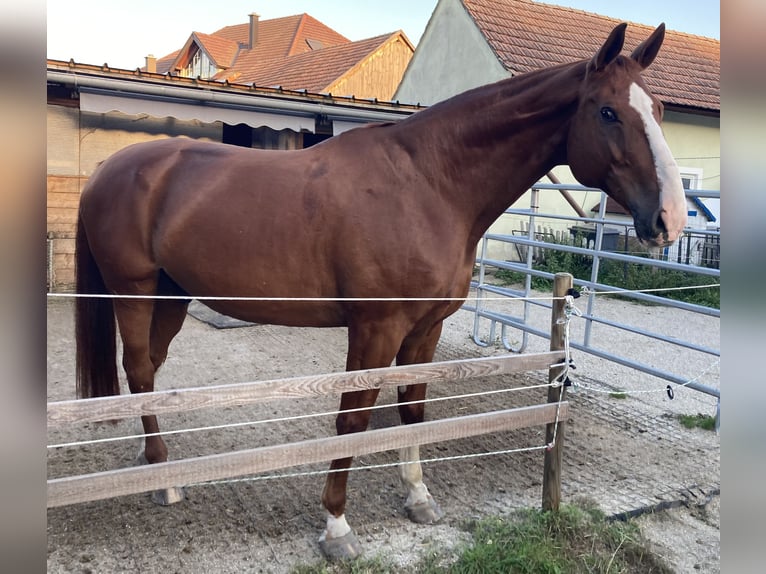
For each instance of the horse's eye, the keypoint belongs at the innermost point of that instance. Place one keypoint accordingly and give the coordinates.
(608, 115)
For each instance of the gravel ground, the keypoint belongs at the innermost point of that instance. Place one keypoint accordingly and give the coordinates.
(629, 455)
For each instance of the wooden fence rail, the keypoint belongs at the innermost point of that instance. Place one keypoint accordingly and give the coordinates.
(163, 402)
(97, 486)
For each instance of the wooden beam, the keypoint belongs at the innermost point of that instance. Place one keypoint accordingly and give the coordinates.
(102, 485)
(562, 283)
(162, 402)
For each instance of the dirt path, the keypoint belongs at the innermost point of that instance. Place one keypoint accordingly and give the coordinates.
(627, 455)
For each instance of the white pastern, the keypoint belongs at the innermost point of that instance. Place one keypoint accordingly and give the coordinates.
(411, 474)
(672, 198)
(336, 528)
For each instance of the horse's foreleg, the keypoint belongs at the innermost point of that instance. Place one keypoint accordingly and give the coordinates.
(338, 539)
(420, 505)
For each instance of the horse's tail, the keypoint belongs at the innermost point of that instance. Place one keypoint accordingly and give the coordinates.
(95, 329)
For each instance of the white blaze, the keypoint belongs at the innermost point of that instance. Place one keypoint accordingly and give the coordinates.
(672, 198)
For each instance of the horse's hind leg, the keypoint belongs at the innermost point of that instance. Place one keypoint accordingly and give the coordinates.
(167, 319)
(135, 320)
(420, 506)
(146, 330)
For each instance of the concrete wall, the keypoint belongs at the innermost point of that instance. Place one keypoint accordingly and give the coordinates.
(452, 57)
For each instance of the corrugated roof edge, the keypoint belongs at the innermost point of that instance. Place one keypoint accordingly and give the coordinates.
(138, 75)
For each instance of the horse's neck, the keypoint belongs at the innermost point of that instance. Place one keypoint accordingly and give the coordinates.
(508, 134)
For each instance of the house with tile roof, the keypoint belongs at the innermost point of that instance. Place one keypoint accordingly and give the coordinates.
(468, 43)
(294, 52)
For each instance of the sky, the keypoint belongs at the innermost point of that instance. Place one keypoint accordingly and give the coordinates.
(121, 33)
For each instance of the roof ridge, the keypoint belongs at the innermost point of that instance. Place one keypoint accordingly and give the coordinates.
(297, 34)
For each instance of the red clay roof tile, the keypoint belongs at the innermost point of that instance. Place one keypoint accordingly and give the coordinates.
(282, 37)
(222, 51)
(526, 35)
(295, 52)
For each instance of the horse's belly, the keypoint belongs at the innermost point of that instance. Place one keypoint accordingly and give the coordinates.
(275, 311)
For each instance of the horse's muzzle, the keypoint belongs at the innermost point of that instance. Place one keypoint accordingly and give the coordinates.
(657, 234)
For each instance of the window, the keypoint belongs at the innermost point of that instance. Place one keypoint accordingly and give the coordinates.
(199, 66)
(691, 177)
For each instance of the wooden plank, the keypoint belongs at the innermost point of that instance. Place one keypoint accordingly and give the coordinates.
(562, 283)
(59, 183)
(64, 245)
(65, 279)
(98, 486)
(63, 261)
(63, 200)
(162, 402)
(61, 215)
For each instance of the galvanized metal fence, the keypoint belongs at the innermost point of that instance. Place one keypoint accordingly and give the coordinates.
(696, 253)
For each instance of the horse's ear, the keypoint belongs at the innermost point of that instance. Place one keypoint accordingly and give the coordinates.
(611, 48)
(645, 53)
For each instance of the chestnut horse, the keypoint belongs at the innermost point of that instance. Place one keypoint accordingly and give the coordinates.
(386, 211)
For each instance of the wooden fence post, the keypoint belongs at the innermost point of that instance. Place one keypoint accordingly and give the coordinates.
(562, 283)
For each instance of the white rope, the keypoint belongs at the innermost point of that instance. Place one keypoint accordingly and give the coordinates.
(365, 467)
(272, 299)
(571, 310)
(588, 291)
(649, 391)
(585, 291)
(295, 418)
(561, 380)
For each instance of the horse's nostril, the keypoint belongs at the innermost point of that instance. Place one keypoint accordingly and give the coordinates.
(659, 224)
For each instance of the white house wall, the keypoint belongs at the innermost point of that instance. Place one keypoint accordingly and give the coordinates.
(452, 37)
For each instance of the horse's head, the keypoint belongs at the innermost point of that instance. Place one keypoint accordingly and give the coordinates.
(615, 141)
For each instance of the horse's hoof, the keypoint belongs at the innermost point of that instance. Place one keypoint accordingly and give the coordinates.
(427, 512)
(345, 547)
(168, 496)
